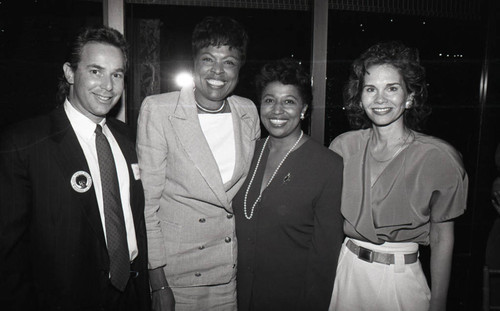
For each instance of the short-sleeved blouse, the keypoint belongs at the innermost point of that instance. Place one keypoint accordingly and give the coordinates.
(424, 183)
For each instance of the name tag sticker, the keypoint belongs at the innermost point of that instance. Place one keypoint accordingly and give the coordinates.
(136, 171)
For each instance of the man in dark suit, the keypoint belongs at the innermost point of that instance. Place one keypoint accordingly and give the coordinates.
(72, 232)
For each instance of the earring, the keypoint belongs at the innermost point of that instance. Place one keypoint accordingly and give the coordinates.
(409, 101)
(302, 116)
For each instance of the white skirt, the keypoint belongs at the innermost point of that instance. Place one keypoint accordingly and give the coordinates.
(360, 285)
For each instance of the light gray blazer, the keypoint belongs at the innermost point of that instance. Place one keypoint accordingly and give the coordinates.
(189, 217)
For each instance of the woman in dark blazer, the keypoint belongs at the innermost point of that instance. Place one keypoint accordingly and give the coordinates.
(288, 220)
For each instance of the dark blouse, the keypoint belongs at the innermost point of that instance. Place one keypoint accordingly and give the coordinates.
(288, 251)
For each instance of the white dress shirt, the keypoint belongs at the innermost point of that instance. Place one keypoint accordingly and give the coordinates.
(85, 132)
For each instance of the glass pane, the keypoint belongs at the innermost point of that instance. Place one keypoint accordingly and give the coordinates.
(33, 42)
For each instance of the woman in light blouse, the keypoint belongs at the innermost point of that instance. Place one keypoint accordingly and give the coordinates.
(401, 189)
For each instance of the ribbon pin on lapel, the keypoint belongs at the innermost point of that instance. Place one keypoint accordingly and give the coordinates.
(81, 181)
(287, 178)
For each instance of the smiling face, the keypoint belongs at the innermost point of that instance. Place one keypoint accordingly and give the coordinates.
(384, 95)
(280, 109)
(97, 83)
(215, 75)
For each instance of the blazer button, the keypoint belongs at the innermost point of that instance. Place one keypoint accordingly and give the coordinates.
(229, 216)
(227, 239)
(202, 220)
(201, 247)
(197, 274)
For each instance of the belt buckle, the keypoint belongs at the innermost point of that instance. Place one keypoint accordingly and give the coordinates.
(365, 254)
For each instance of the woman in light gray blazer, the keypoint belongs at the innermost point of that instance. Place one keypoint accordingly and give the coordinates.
(195, 147)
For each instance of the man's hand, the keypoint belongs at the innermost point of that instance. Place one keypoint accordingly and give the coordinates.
(163, 300)
(162, 296)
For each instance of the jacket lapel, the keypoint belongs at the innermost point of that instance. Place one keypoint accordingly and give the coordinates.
(72, 159)
(242, 133)
(187, 128)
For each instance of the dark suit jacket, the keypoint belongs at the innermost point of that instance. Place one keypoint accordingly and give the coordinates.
(52, 249)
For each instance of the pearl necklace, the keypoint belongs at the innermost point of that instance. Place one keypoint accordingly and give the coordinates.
(270, 180)
(209, 110)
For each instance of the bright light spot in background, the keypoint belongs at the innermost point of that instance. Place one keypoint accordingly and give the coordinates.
(184, 79)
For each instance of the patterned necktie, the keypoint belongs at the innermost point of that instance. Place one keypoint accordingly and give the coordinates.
(116, 234)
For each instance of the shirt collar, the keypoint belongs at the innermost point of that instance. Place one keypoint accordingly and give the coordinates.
(83, 126)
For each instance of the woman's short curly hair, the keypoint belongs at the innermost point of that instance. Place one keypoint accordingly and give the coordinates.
(286, 71)
(218, 31)
(406, 60)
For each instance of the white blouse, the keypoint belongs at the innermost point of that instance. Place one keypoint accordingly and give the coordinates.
(219, 133)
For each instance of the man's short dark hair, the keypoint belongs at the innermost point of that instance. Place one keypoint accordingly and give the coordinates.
(98, 34)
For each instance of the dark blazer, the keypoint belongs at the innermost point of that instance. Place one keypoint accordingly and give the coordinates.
(52, 248)
(288, 250)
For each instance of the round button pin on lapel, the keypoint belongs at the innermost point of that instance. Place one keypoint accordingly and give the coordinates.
(81, 181)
